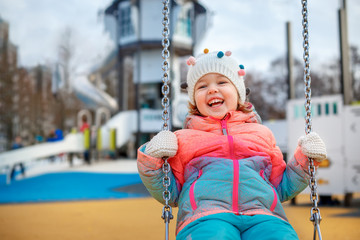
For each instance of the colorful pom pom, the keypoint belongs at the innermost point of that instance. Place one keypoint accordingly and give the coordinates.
(228, 53)
(241, 72)
(220, 54)
(191, 61)
(241, 66)
(206, 50)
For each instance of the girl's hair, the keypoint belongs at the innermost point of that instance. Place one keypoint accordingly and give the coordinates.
(246, 107)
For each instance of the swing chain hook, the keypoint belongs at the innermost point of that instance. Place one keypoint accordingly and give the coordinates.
(315, 211)
(165, 102)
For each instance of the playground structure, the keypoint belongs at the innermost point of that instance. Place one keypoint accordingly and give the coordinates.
(73, 143)
(93, 97)
(106, 136)
(339, 126)
(342, 151)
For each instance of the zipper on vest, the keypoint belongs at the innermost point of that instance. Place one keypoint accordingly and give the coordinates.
(236, 172)
(224, 127)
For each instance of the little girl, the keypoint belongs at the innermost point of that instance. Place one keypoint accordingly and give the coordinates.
(228, 176)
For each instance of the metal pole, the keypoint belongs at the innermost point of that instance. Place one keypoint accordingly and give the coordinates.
(137, 97)
(290, 62)
(346, 81)
(119, 63)
(138, 84)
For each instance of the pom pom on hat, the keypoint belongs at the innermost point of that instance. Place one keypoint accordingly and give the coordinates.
(206, 51)
(241, 72)
(228, 53)
(191, 61)
(220, 54)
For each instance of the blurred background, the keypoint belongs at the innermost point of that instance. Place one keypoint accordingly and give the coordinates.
(80, 81)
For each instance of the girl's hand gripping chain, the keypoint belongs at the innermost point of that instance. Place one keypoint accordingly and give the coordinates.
(163, 144)
(313, 146)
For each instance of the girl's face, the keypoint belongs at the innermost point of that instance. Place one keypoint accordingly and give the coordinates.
(215, 95)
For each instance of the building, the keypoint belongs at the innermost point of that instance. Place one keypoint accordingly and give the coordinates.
(136, 27)
(8, 67)
(28, 107)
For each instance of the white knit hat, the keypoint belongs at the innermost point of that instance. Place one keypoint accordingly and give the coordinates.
(215, 62)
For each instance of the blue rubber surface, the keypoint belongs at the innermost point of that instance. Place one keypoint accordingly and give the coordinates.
(68, 187)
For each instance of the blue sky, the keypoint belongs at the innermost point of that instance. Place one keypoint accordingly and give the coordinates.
(254, 30)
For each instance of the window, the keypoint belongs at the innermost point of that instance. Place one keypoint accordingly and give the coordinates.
(295, 112)
(126, 27)
(313, 110)
(327, 109)
(150, 95)
(303, 111)
(184, 27)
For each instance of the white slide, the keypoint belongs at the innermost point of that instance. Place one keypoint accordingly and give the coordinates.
(92, 96)
(72, 143)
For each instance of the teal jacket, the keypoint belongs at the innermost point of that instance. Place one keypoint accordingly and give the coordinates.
(231, 165)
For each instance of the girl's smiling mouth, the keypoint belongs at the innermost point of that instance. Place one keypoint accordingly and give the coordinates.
(215, 102)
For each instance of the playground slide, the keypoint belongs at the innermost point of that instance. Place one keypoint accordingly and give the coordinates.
(92, 96)
(71, 143)
(125, 125)
(124, 122)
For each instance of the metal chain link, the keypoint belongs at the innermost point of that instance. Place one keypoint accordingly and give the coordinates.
(315, 211)
(165, 65)
(167, 210)
(165, 102)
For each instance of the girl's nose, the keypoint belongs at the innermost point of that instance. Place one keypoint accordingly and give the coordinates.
(212, 90)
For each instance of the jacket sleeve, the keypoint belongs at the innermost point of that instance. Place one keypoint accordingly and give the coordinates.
(151, 174)
(295, 177)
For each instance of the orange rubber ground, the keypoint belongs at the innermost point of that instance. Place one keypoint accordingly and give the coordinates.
(140, 219)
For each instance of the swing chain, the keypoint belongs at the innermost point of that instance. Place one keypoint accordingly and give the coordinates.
(165, 65)
(307, 78)
(165, 102)
(315, 211)
(167, 211)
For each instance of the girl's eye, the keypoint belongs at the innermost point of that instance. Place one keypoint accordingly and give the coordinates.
(222, 82)
(201, 86)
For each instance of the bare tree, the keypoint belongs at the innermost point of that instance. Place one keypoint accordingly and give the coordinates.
(8, 68)
(69, 104)
(269, 90)
(256, 97)
(66, 51)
